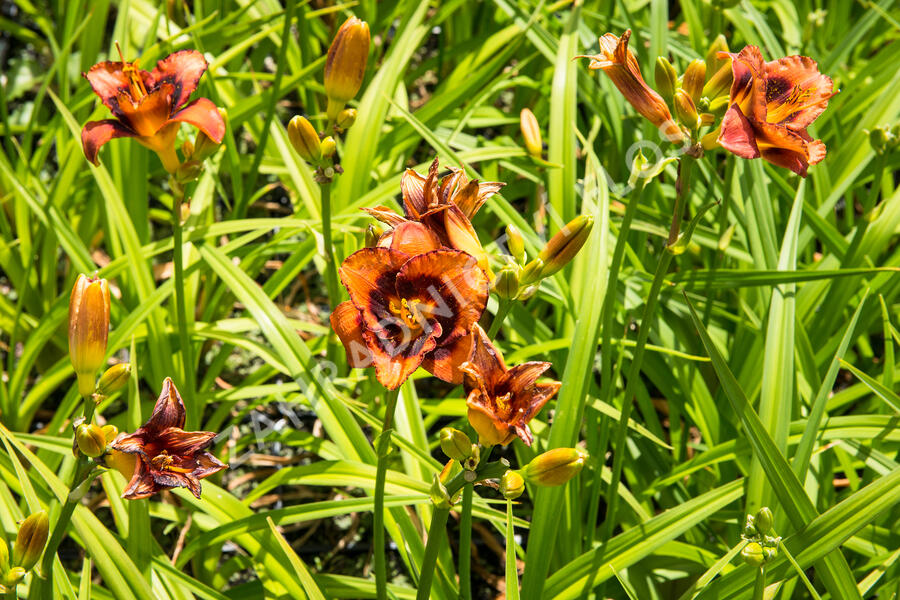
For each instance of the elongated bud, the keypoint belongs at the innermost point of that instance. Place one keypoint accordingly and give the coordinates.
(30, 540)
(512, 485)
(531, 272)
(304, 139)
(527, 292)
(373, 234)
(694, 79)
(114, 379)
(666, 78)
(345, 66)
(90, 439)
(764, 520)
(346, 118)
(563, 246)
(328, 147)
(555, 467)
(439, 494)
(14, 576)
(713, 61)
(88, 329)
(109, 432)
(4, 556)
(506, 283)
(719, 83)
(450, 470)
(686, 110)
(455, 444)
(515, 243)
(531, 133)
(753, 555)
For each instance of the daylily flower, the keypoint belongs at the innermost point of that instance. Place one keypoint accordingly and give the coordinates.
(502, 401)
(622, 66)
(150, 106)
(411, 304)
(162, 455)
(770, 106)
(444, 206)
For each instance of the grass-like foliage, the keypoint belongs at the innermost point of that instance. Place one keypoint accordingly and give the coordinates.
(606, 364)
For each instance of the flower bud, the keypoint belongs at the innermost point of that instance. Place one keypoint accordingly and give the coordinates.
(685, 109)
(555, 467)
(30, 540)
(713, 61)
(769, 553)
(328, 147)
(450, 470)
(512, 485)
(188, 171)
(114, 379)
(439, 494)
(878, 139)
(471, 463)
(109, 432)
(749, 529)
(455, 444)
(720, 82)
(88, 329)
(694, 78)
(373, 234)
(527, 292)
(345, 66)
(753, 554)
(531, 133)
(531, 272)
(4, 556)
(346, 118)
(91, 439)
(14, 576)
(506, 283)
(563, 246)
(515, 243)
(304, 139)
(666, 78)
(764, 520)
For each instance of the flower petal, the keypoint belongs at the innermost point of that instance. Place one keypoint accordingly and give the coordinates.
(108, 80)
(182, 70)
(205, 116)
(97, 133)
(170, 479)
(486, 362)
(737, 134)
(412, 188)
(385, 215)
(414, 238)
(796, 93)
(369, 275)
(207, 464)
(347, 322)
(168, 412)
(142, 483)
(521, 377)
(130, 443)
(784, 147)
(398, 358)
(748, 88)
(491, 430)
(462, 236)
(179, 442)
(444, 362)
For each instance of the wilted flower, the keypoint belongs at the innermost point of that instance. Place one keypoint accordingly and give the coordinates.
(502, 401)
(411, 304)
(150, 106)
(770, 106)
(88, 329)
(163, 454)
(345, 66)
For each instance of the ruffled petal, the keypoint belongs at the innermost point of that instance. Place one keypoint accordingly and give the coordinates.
(347, 322)
(397, 358)
(182, 70)
(168, 412)
(444, 361)
(369, 276)
(108, 80)
(207, 464)
(205, 116)
(142, 483)
(184, 443)
(796, 93)
(412, 187)
(97, 133)
(737, 134)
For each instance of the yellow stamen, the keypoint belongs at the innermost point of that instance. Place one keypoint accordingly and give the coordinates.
(792, 104)
(408, 312)
(163, 462)
(135, 81)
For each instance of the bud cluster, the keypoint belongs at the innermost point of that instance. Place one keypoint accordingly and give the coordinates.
(884, 140)
(762, 543)
(27, 549)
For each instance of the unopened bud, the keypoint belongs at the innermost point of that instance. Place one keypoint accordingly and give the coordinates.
(527, 292)
(455, 444)
(30, 540)
(720, 82)
(769, 553)
(879, 139)
(114, 379)
(450, 470)
(685, 109)
(563, 246)
(666, 78)
(515, 242)
(188, 171)
(4, 556)
(88, 330)
(328, 147)
(713, 61)
(90, 439)
(555, 467)
(512, 485)
(110, 432)
(532, 271)
(753, 555)
(345, 66)
(506, 283)
(373, 234)
(694, 79)
(531, 133)
(304, 139)
(14, 576)
(346, 118)
(471, 463)
(764, 520)
(439, 495)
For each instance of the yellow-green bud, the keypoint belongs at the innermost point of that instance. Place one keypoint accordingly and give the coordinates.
(471, 463)
(30, 540)
(304, 139)
(878, 139)
(555, 467)
(4, 556)
(512, 485)
(720, 83)
(531, 133)
(753, 554)
(764, 520)
(346, 118)
(527, 292)
(114, 379)
(506, 283)
(563, 246)
(713, 61)
(455, 444)
(187, 149)
(450, 470)
(88, 329)
(685, 109)
(345, 66)
(373, 234)
(439, 495)
(515, 242)
(666, 78)
(531, 272)
(91, 439)
(188, 171)
(328, 147)
(14, 576)
(694, 78)
(109, 432)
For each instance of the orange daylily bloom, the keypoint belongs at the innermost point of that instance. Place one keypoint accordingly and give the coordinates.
(502, 401)
(410, 309)
(164, 455)
(444, 206)
(622, 66)
(150, 106)
(770, 106)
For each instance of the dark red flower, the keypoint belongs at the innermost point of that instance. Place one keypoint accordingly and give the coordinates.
(166, 456)
(150, 106)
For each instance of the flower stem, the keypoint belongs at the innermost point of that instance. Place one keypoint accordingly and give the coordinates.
(465, 544)
(429, 560)
(512, 574)
(382, 447)
(331, 276)
(184, 338)
(502, 310)
(82, 470)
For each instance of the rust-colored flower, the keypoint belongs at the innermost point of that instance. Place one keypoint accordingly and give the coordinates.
(413, 303)
(150, 106)
(88, 329)
(445, 206)
(622, 66)
(770, 106)
(164, 455)
(502, 401)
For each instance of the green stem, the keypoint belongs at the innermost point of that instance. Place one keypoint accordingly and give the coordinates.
(429, 560)
(82, 470)
(331, 275)
(187, 361)
(759, 586)
(465, 544)
(512, 574)
(502, 310)
(381, 451)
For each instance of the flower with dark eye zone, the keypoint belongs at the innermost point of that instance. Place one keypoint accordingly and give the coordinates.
(502, 401)
(162, 454)
(150, 106)
(411, 304)
(770, 106)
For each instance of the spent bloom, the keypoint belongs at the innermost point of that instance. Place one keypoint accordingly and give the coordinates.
(150, 106)
(88, 329)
